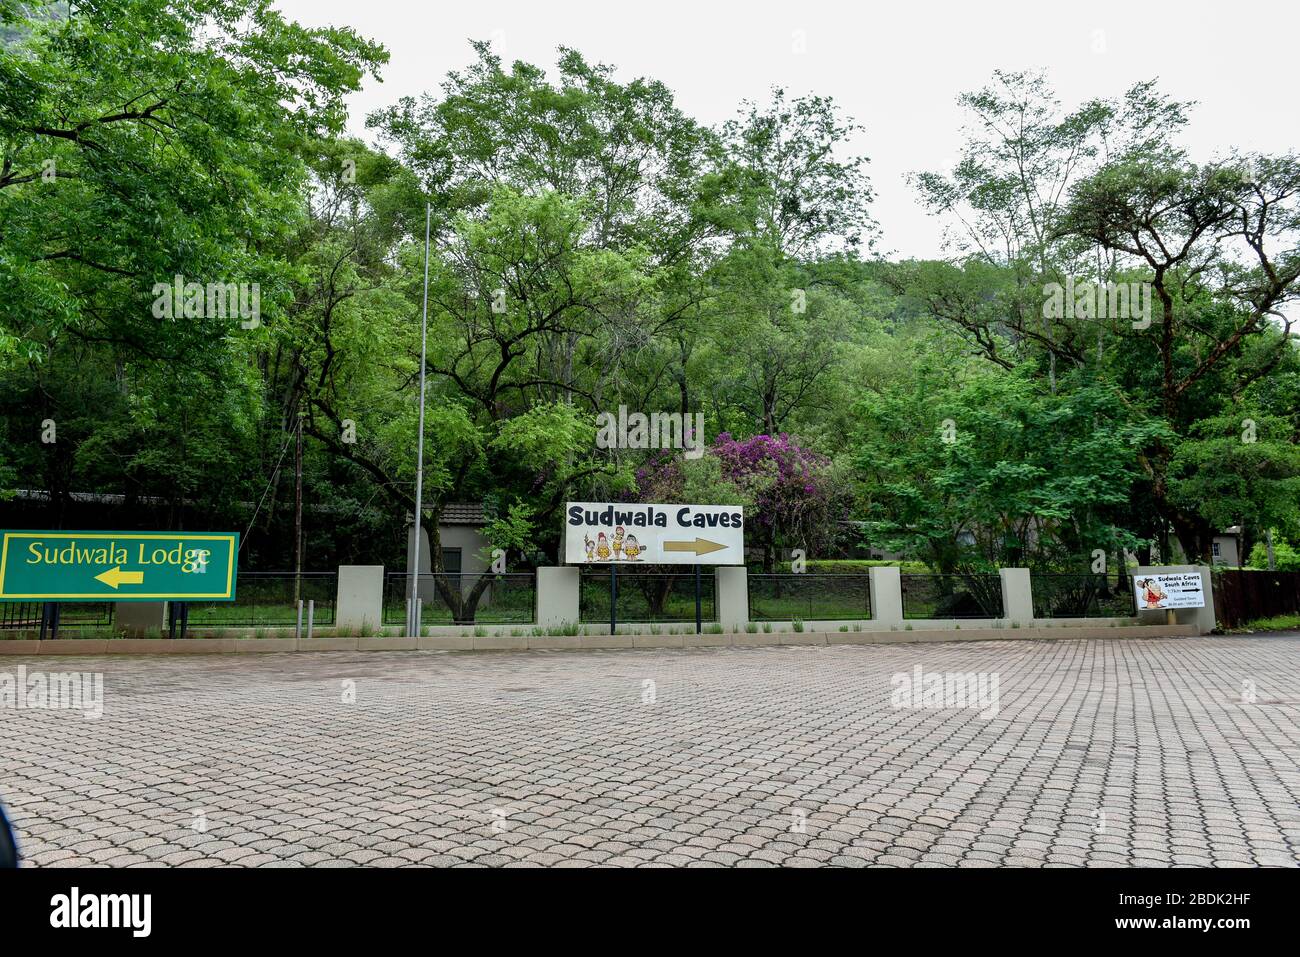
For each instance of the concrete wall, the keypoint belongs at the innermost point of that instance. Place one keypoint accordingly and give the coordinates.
(136, 618)
(731, 595)
(360, 602)
(1017, 595)
(557, 596)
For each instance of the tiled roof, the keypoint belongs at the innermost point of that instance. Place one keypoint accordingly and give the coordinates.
(463, 513)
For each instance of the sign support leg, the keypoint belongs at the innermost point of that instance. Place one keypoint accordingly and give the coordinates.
(613, 597)
(171, 619)
(699, 623)
(54, 620)
(45, 619)
(185, 618)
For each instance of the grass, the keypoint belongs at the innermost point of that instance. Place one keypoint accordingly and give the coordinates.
(796, 624)
(713, 628)
(1276, 623)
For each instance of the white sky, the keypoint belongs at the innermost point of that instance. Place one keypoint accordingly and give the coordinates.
(896, 68)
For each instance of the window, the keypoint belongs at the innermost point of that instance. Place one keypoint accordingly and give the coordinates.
(1216, 550)
(451, 560)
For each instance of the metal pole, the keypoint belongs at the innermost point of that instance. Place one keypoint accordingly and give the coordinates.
(311, 615)
(297, 628)
(419, 455)
(419, 616)
(45, 619)
(613, 597)
(185, 618)
(171, 619)
(54, 619)
(699, 624)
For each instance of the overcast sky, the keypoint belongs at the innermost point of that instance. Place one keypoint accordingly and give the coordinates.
(895, 67)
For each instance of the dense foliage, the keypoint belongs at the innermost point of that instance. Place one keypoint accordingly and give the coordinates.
(592, 246)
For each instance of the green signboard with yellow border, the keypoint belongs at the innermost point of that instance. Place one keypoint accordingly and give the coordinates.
(118, 566)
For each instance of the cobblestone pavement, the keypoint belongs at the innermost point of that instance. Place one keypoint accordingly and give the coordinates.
(1123, 752)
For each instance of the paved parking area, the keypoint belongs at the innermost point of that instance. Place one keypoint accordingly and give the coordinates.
(1138, 752)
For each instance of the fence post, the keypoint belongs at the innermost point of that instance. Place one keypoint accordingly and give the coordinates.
(557, 596)
(297, 628)
(1017, 596)
(731, 596)
(360, 599)
(886, 583)
(311, 615)
(138, 618)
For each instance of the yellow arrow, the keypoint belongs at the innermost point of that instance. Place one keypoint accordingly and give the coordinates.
(115, 576)
(700, 546)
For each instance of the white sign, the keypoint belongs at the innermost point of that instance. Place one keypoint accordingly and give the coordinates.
(1180, 590)
(603, 533)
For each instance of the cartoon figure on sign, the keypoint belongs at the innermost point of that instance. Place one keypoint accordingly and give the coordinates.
(631, 548)
(618, 541)
(590, 546)
(1152, 594)
(602, 547)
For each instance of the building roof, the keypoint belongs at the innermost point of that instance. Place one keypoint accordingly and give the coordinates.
(463, 513)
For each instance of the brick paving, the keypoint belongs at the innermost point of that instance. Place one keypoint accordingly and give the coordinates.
(1102, 753)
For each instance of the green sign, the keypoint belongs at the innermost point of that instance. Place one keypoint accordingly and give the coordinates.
(118, 566)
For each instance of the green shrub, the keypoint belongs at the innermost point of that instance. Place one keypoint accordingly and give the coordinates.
(1285, 558)
(797, 624)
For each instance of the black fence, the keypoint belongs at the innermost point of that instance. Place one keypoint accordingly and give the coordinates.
(809, 597)
(1081, 596)
(268, 599)
(504, 599)
(648, 596)
(26, 615)
(952, 596)
(1242, 596)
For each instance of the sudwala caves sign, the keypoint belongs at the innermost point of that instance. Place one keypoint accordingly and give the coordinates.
(118, 566)
(602, 533)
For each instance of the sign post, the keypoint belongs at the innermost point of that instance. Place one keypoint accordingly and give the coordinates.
(617, 533)
(1169, 591)
(57, 566)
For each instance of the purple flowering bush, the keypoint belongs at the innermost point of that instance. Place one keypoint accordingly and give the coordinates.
(792, 497)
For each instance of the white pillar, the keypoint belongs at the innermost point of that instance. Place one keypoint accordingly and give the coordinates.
(360, 601)
(1017, 595)
(886, 594)
(135, 618)
(557, 596)
(731, 596)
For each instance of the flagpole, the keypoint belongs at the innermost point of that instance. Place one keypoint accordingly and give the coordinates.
(413, 626)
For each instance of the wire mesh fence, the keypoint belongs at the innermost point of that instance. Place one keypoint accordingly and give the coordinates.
(1080, 596)
(649, 596)
(809, 597)
(269, 599)
(26, 615)
(501, 599)
(952, 596)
